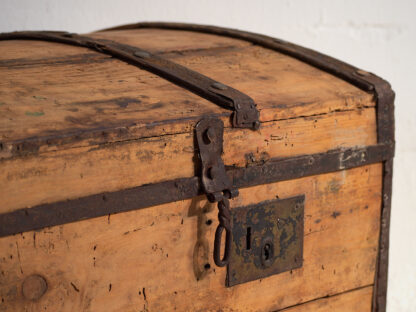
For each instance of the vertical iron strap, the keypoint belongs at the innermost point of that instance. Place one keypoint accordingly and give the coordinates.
(215, 182)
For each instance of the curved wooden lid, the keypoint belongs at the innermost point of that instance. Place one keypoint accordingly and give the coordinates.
(55, 96)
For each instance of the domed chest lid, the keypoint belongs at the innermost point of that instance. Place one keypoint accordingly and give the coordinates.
(54, 95)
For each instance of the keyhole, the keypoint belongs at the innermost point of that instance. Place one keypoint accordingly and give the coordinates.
(266, 252)
(248, 238)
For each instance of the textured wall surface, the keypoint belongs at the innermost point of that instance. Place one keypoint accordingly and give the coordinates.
(378, 36)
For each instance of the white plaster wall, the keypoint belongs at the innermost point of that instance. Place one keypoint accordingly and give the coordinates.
(379, 36)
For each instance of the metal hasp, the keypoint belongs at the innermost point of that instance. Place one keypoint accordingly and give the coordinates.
(215, 182)
(267, 239)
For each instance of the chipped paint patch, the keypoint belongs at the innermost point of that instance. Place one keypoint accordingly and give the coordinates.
(34, 114)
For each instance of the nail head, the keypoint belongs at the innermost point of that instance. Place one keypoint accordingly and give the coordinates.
(34, 287)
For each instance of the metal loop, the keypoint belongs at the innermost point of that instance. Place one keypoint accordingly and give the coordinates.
(224, 217)
(217, 246)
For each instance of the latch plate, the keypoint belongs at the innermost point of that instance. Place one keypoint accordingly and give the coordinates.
(267, 239)
(215, 182)
(209, 135)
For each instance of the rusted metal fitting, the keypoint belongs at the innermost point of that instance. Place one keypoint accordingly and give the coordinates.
(216, 184)
(142, 54)
(209, 135)
(219, 86)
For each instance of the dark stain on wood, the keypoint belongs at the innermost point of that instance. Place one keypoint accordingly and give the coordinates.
(121, 102)
(87, 58)
(335, 214)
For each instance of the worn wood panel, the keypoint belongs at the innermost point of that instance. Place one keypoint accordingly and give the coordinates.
(77, 172)
(64, 100)
(46, 94)
(145, 260)
(155, 40)
(353, 301)
(282, 86)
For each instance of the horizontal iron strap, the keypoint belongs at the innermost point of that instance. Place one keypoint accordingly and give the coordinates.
(245, 113)
(46, 215)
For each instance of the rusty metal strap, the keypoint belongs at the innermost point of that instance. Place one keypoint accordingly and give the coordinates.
(93, 206)
(361, 79)
(245, 113)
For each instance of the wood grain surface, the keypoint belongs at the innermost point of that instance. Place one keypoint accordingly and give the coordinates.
(352, 301)
(77, 172)
(146, 260)
(82, 97)
(74, 122)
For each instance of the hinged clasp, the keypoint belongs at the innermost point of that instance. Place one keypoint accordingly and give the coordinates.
(215, 182)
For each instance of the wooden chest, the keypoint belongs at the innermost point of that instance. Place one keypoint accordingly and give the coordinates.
(162, 167)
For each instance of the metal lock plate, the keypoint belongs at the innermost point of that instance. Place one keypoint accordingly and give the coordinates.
(267, 239)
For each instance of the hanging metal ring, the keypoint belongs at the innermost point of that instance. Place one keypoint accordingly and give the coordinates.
(217, 246)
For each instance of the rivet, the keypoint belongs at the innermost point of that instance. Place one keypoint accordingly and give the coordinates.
(219, 86)
(142, 54)
(362, 72)
(34, 287)
(209, 135)
(212, 173)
